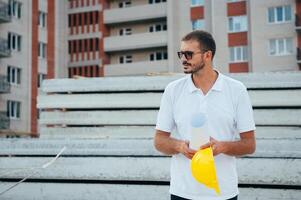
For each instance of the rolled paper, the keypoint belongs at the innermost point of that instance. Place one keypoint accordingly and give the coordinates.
(199, 134)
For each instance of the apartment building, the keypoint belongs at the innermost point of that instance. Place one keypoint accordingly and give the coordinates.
(27, 57)
(142, 36)
(67, 38)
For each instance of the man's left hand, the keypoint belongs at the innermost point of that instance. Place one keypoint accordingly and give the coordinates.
(217, 146)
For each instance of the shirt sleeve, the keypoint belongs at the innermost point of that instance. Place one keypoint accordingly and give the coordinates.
(244, 113)
(165, 119)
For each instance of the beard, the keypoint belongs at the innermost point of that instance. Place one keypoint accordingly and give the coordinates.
(193, 69)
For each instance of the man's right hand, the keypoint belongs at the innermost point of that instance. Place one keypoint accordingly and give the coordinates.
(171, 146)
(184, 149)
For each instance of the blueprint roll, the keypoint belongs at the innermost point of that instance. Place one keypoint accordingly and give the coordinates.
(199, 131)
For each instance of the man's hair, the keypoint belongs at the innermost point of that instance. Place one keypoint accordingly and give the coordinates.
(205, 40)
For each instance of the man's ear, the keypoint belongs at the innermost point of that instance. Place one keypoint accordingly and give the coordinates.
(208, 55)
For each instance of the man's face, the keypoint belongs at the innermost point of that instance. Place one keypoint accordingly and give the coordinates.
(191, 57)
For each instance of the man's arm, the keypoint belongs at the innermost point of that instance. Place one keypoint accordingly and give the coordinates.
(246, 145)
(170, 146)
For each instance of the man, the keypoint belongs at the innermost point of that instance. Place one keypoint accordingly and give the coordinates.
(227, 106)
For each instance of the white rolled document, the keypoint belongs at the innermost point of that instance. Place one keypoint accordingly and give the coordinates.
(199, 131)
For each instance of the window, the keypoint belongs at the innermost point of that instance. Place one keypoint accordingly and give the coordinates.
(13, 75)
(159, 55)
(229, 1)
(198, 24)
(125, 4)
(239, 54)
(42, 19)
(14, 41)
(237, 23)
(280, 14)
(42, 50)
(156, 1)
(14, 8)
(41, 77)
(125, 59)
(197, 2)
(125, 31)
(281, 46)
(13, 109)
(158, 27)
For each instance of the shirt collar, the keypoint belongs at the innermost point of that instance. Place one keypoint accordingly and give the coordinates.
(217, 86)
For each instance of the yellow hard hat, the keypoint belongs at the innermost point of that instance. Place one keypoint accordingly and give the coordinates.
(203, 169)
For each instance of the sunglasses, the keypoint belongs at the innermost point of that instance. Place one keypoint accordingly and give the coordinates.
(188, 54)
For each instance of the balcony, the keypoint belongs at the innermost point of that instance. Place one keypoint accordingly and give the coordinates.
(4, 85)
(135, 13)
(4, 120)
(4, 16)
(4, 50)
(135, 41)
(136, 68)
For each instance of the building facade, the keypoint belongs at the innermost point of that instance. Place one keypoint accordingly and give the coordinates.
(92, 38)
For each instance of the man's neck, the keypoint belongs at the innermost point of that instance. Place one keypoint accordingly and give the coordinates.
(205, 79)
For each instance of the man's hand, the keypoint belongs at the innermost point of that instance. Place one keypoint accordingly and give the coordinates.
(217, 146)
(171, 146)
(184, 149)
(246, 145)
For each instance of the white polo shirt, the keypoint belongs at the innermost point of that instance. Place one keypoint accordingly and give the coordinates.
(229, 112)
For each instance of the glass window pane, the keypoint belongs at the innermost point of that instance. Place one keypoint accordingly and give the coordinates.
(232, 57)
(13, 42)
(288, 13)
(18, 110)
(7, 109)
(279, 11)
(165, 56)
(230, 24)
(18, 76)
(158, 27)
(13, 75)
(159, 56)
(12, 109)
(281, 46)
(8, 74)
(244, 23)
(151, 29)
(238, 54)
(271, 14)
(19, 43)
(19, 10)
(121, 59)
(289, 45)
(245, 53)
(272, 46)
(237, 26)
(151, 57)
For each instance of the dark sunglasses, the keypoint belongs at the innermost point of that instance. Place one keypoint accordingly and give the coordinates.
(188, 54)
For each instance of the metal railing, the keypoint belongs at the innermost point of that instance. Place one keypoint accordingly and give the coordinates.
(4, 50)
(4, 15)
(4, 85)
(4, 120)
